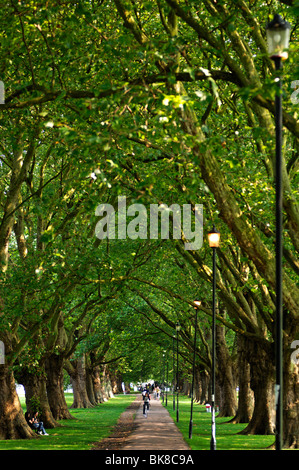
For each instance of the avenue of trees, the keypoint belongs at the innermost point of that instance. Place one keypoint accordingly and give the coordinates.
(163, 102)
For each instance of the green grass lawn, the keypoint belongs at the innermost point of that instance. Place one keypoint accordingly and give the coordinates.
(227, 437)
(91, 425)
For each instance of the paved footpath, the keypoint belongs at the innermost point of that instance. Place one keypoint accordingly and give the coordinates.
(156, 432)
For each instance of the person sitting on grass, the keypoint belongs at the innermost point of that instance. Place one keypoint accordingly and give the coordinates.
(33, 423)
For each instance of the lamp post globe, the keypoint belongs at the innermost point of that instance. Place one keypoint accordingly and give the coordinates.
(278, 36)
(214, 237)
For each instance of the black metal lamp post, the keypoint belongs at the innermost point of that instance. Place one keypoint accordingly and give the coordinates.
(177, 327)
(197, 303)
(163, 383)
(173, 368)
(278, 36)
(214, 239)
(166, 376)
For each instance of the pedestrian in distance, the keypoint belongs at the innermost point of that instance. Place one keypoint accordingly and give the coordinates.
(146, 400)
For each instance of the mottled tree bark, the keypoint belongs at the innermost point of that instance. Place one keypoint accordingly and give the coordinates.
(55, 390)
(12, 421)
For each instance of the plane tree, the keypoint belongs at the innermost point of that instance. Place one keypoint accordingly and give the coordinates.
(174, 103)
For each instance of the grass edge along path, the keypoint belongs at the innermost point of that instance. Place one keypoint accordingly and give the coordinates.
(95, 428)
(227, 437)
(90, 427)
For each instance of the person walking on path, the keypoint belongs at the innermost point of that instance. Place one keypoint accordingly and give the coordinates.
(157, 432)
(146, 400)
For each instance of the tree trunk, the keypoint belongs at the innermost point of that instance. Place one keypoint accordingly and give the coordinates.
(261, 382)
(245, 402)
(106, 384)
(36, 397)
(187, 388)
(102, 385)
(225, 379)
(97, 385)
(116, 381)
(12, 421)
(262, 418)
(78, 379)
(55, 391)
(204, 387)
(90, 387)
(291, 403)
(197, 392)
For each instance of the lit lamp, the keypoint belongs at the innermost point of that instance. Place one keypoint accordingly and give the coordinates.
(198, 304)
(214, 240)
(177, 327)
(278, 36)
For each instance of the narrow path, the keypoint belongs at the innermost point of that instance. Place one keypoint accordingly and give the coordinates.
(156, 432)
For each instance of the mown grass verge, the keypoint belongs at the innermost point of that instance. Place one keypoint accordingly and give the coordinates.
(227, 437)
(90, 426)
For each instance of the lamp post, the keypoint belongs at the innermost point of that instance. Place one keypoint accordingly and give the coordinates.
(166, 376)
(177, 327)
(173, 368)
(197, 303)
(214, 238)
(163, 383)
(278, 35)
